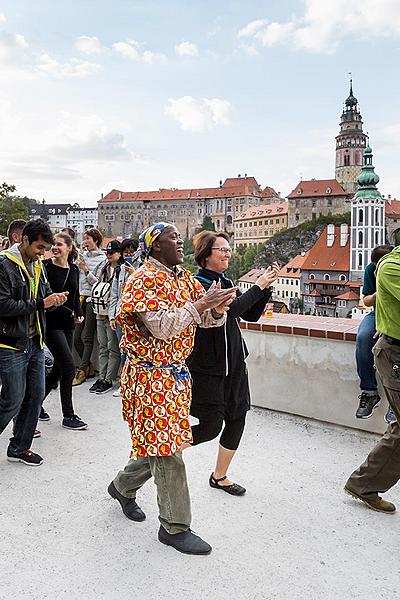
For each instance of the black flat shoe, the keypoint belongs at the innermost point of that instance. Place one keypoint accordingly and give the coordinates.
(234, 488)
(128, 505)
(186, 542)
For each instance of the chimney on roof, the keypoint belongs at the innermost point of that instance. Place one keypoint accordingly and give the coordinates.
(344, 234)
(390, 196)
(245, 175)
(119, 195)
(330, 235)
(102, 195)
(239, 176)
(220, 183)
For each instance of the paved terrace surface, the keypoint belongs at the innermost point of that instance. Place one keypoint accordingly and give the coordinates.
(294, 535)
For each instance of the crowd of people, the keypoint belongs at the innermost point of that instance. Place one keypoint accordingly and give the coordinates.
(170, 345)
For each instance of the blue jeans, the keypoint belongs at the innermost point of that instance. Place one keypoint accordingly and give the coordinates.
(364, 357)
(22, 392)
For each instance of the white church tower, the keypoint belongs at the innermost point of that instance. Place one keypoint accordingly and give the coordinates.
(367, 218)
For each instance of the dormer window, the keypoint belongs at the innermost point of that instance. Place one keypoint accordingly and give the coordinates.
(328, 190)
(299, 191)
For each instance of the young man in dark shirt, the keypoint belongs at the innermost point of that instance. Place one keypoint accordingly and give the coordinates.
(369, 398)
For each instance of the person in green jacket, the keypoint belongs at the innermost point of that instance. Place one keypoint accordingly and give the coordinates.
(381, 469)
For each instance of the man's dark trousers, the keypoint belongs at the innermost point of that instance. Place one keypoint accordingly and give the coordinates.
(381, 469)
(22, 392)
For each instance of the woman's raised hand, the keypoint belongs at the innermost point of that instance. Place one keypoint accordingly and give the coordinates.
(269, 276)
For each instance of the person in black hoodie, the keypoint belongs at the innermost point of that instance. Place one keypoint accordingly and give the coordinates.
(220, 392)
(63, 276)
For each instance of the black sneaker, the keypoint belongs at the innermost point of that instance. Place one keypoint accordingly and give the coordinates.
(186, 542)
(129, 506)
(28, 458)
(390, 417)
(104, 387)
(93, 388)
(367, 405)
(74, 423)
(44, 416)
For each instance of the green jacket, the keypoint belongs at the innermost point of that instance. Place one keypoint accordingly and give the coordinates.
(387, 306)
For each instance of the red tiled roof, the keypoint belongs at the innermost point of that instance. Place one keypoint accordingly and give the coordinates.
(233, 186)
(264, 210)
(317, 187)
(348, 296)
(314, 293)
(293, 267)
(251, 276)
(322, 257)
(392, 208)
(269, 192)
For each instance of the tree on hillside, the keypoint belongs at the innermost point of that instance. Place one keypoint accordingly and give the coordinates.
(207, 224)
(11, 207)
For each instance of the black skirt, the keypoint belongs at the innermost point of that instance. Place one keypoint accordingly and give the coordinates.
(227, 395)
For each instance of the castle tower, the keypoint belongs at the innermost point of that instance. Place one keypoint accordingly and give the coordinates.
(350, 144)
(367, 218)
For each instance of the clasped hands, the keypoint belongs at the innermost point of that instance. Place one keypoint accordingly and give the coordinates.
(216, 298)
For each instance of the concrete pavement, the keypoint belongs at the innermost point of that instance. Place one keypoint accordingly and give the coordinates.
(294, 535)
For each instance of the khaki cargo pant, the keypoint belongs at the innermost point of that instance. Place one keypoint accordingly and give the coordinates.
(169, 474)
(381, 469)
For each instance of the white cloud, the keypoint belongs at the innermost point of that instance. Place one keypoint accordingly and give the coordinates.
(131, 50)
(251, 28)
(186, 49)
(324, 25)
(199, 115)
(2, 18)
(127, 49)
(88, 45)
(74, 68)
(150, 57)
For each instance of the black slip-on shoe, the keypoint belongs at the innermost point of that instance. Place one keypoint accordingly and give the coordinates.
(186, 542)
(129, 506)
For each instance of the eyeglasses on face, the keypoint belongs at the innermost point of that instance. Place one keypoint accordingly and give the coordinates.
(222, 250)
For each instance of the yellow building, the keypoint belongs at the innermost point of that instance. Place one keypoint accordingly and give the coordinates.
(258, 224)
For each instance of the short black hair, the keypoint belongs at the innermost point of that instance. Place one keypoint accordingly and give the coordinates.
(129, 242)
(380, 251)
(14, 226)
(38, 228)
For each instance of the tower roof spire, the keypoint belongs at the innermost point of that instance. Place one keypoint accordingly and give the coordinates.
(368, 179)
(351, 102)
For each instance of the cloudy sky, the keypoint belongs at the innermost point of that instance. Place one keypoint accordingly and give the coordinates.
(137, 95)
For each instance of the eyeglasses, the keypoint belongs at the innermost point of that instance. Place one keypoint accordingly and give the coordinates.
(223, 250)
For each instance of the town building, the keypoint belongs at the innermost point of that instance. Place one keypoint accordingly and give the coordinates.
(316, 197)
(326, 286)
(81, 219)
(121, 213)
(59, 216)
(258, 224)
(367, 218)
(287, 286)
(313, 198)
(350, 145)
(392, 220)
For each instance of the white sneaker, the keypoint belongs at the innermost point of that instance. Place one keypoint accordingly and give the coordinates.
(117, 393)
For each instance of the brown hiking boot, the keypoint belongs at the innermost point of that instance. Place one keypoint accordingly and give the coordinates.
(80, 377)
(90, 372)
(380, 505)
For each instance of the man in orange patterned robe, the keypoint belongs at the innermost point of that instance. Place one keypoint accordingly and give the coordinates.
(160, 308)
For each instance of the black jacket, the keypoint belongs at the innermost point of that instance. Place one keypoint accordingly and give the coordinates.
(17, 302)
(216, 348)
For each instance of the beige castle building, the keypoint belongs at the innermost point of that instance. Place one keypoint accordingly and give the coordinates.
(258, 224)
(121, 213)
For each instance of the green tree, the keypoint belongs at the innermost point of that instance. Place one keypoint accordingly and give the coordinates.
(11, 207)
(207, 224)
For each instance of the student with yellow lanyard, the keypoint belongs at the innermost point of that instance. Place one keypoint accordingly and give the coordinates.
(25, 294)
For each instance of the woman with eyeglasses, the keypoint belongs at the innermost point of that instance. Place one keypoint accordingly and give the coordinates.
(220, 392)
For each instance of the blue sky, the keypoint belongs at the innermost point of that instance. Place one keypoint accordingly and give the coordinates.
(138, 95)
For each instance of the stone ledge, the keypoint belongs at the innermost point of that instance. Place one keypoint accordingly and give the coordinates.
(306, 325)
